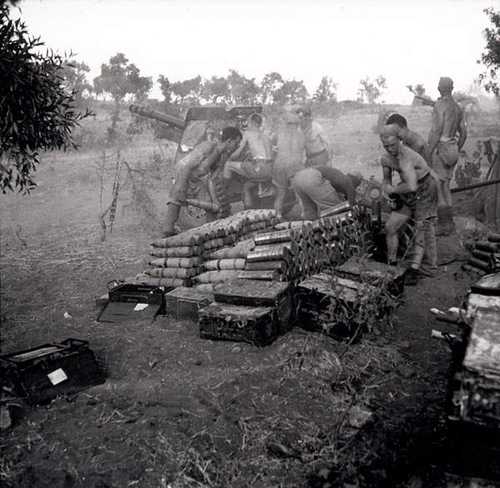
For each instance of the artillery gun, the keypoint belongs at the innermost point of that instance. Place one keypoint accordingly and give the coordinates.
(209, 197)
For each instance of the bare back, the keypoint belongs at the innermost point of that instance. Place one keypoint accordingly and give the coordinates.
(448, 114)
(259, 144)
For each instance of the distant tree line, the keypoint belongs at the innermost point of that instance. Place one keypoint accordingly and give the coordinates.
(120, 79)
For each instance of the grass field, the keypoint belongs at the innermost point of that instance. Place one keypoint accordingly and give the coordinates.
(177, 411)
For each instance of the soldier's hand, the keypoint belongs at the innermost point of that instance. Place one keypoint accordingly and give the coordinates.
(387, 188)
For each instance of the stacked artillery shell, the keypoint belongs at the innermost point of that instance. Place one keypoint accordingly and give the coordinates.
(485, 256)
(192, 256)
(299, 249)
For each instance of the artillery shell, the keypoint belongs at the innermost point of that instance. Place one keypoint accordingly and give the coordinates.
(274, 237)
(216, 276)
(176, 262)
(178, 240)
(172, 272)
(265, 265)
(487, 246)
(278, 253)
(482, 255)
(494, 237)
(337, 209)
(478, 263)
(270, 275)
(468, 267)
(175, 252)
(224, 264)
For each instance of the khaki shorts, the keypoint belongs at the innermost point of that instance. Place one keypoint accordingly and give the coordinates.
(314, 192)
(445, 159)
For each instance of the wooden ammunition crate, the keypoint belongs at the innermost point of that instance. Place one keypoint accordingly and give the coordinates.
(315, 295)
(184, 303)
(255, 325)
(370, 271)
(258, 293)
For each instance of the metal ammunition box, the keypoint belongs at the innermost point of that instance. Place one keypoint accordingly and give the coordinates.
(259, 293)
(184, 303)
(42, 373)
(255, 325)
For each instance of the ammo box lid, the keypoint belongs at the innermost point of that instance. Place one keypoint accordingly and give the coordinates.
(487, 285)
(483, 350)
(262, 292)
(234, 312)
(188, 293)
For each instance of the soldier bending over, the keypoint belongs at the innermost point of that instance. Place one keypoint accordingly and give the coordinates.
(409, 138)
(417, 193)
(199, 162)
(320, 188)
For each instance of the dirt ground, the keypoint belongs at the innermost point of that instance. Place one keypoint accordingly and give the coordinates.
(178, 411)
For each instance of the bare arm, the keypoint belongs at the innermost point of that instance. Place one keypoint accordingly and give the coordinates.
(208, 162)
(236, 154)
(409, 183)
(436, 132)
(462, 132)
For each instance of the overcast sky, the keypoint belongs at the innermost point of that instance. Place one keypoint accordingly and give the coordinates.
(408, 42)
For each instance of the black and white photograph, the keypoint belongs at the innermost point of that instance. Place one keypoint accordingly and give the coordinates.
(249, 244)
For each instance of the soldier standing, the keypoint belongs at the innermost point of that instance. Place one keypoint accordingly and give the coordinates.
(316, 144)
(259, 168)
(446, 138)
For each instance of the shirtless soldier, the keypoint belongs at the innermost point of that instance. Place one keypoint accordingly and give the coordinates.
(316, 144)
(260, 167)
(410, 138)
(199, 162)
(418, 194)
(446, 139)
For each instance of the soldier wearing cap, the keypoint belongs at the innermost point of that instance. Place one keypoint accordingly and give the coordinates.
(417, 193)
(316, 144)
(446, 138)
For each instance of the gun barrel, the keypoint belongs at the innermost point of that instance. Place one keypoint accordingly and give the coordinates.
(475, 185)
(162, 117)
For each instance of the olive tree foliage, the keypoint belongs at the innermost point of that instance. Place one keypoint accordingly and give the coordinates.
(491, 55)
(37, 111)
(75, 80)
(370, 91)
(326, 91)
(270, 87)
(119, 78)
